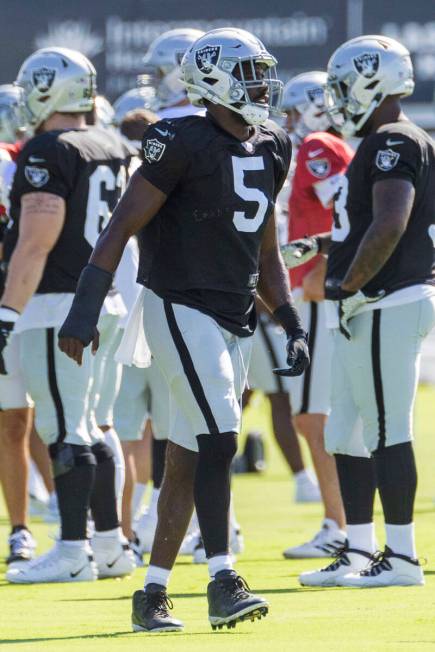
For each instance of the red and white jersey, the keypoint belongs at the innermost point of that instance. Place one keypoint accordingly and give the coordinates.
(321, 161)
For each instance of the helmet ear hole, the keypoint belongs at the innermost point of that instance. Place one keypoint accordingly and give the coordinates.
(372, 85)
(210, 80)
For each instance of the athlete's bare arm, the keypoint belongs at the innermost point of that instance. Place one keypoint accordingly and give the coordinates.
(392, 200)
(273, 285)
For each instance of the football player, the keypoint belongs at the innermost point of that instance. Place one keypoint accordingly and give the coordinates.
(202, 202)
(380, 282)
(322, 159)
(68, 179)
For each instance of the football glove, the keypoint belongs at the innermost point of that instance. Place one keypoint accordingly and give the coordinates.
(8, 317)
(298, 357)
(298, 252)
(349, 303)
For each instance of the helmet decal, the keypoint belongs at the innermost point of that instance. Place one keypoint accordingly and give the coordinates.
(43, 79)
(207, 57)
(367, 64)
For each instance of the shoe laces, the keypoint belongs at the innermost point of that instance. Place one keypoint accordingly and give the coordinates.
(340, 559)
(158, 602)
(21, 539)
(380, 563)
(235, 586)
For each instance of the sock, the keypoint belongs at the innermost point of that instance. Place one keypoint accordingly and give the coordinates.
(303, 476)
(111, 534)
(138, 495)
(212, 490)
(219, 563)
(152, 509)
(103, 498)
(401, 539)
(17, 528)
(81, 544)
(111, 438)
(73, 494)
(358, 485)
(396, 475)
(332, 525)
(362, 537)
(234, 524)
(158, 454)
(157, 575)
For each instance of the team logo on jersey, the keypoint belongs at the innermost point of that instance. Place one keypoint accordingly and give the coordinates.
(367, 64)
(207, 57)
(386, 159)
(43, 79)
(37, 177)
(319, 167)
(153, 150)
(316, 97)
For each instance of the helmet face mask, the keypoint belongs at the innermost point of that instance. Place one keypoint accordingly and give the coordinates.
(361, 74)
(14, 117)
(232, 68)
(304, 103)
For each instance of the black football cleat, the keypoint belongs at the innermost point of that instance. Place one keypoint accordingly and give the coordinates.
(230, 601)
(150, 611)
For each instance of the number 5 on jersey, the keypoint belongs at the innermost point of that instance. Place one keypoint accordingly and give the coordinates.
(240, 166)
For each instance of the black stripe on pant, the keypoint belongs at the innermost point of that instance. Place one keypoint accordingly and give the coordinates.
(377, 375)
(273, 358)
(54, 388)
(312, 331)
(189, 369)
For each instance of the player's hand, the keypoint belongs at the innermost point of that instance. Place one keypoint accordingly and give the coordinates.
(298, 357)
(298, 252)
(73, 347)
(349, 303)
(8, 317)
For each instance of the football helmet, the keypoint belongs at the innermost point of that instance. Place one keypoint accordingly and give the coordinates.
(104, 112)
(14, 118)
(136, 98)
(162, 65)
(57, 80)
(225, 66)
(304, 98)
(361, 74)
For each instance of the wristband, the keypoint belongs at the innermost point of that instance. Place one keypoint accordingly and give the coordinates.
(92, 288)
(8, 314)
(288, 317)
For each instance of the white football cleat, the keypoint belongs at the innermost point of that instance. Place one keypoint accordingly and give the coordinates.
(189, 544)
(349, 560)
(145, 529)
(326, 543)
(237, 545)
(237, 542)
(63, 563)
(21, 548)
(199, 556)
(307, 489)
(386, 569)
(112, 556)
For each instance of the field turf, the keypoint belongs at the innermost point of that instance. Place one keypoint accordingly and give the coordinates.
(96, 616)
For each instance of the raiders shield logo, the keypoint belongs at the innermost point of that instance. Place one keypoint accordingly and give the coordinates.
(153, 150)
(319, 167)
(43, 79)
(37, 177)
(316, 97)
(367, 64)
(207, 57)
(386, 159)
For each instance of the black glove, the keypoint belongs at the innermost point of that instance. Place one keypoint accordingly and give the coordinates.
(81, 322)
(298, 357)
(8, 317)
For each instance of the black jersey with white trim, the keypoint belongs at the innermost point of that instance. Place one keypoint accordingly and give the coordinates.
(202, 248)
(397, 150)
(88, 169)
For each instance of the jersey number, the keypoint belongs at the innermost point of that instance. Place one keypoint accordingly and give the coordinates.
(240, 166)
(341, 227)
(105, 188)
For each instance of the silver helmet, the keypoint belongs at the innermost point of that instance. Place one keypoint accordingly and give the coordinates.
(14, 118)
(361, 74)
(57, 80)
(162, 64)
(224, 66)
(304, 98)
(136, 98)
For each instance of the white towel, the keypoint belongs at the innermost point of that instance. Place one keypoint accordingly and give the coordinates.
(134, 349)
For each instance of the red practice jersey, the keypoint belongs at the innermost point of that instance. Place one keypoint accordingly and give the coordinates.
(13, 149)
(321, 159)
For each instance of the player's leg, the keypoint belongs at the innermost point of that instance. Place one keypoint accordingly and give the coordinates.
(14, 454)
(59, 388)
(39, 454)
(142, 460)
(387, 411)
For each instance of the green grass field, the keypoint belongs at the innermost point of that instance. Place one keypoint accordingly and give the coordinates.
(96, 616)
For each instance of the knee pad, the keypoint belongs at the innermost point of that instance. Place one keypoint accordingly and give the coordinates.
(64, 457)
(102, 452)
(217, 448)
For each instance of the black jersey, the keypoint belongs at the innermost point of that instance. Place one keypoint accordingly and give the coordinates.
(202, 248)
(88, 169)
(397, 150)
